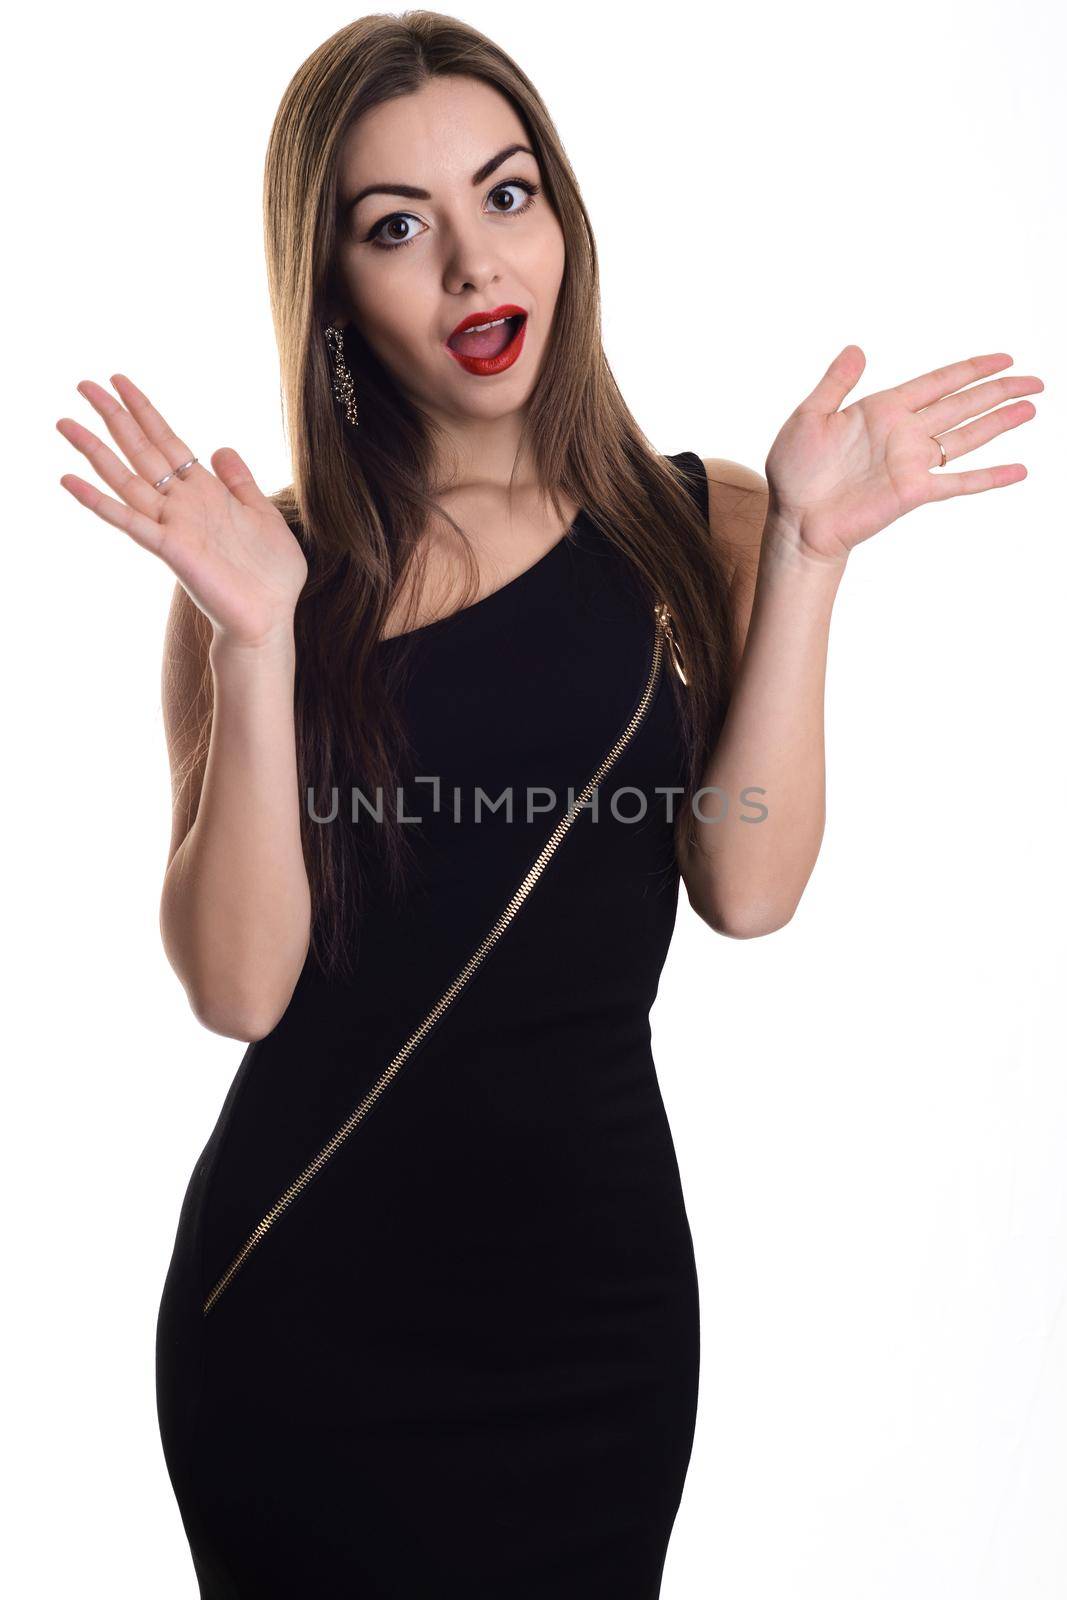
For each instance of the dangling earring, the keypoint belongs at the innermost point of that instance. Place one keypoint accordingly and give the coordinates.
(344, 389)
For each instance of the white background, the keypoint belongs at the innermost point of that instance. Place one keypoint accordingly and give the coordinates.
(869, 1106)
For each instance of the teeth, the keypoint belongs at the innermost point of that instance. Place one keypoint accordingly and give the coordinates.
(481, 326)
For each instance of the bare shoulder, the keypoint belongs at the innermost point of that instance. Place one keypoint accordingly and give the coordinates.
(187, 698)
(737, 511)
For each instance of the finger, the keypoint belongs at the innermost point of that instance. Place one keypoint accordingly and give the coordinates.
(944, 485)
(962, 440)
(931, 386)
(235, 474)
(143, 530)
(970, 402)
(145, 457)
(157, 429)
(115, 473)
(841, 375)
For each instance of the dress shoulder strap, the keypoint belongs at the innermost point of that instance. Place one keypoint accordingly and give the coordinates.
(691, 467)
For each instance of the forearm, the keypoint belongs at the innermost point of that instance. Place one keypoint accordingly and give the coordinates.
(746, 876)
(236, 907)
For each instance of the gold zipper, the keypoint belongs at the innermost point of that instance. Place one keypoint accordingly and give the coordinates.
(663, 611)
(432, 1017)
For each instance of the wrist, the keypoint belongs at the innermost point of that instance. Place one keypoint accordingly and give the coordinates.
(787, 548)
(276, 646)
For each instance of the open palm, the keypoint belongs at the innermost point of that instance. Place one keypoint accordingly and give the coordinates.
(837, 477)
(222, 537)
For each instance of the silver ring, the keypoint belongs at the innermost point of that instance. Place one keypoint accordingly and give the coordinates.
(940, 446)
(177, 472)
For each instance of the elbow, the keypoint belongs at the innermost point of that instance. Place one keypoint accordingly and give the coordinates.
(245, 1008)
(753, 922)
(226, 1008)
(228, 1016)
(751, 919)
(244, 1001)
(750, 907)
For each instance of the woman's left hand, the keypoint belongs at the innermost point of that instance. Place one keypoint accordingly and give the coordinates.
(837, 477)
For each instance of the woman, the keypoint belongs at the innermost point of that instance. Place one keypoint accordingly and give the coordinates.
(430, 1326)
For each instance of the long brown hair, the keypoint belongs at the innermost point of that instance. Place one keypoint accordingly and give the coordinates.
(359, 497)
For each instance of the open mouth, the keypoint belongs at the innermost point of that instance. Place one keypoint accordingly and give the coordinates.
(487, 341)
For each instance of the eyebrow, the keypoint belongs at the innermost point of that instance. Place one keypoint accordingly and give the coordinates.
(410, 192)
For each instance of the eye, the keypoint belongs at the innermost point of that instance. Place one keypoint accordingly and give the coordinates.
(378, 238)
(398, 217)
(531, 190)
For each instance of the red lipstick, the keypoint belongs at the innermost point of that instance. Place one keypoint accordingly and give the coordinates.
(494, 357)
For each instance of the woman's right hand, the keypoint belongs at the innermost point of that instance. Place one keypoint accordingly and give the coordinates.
(223, 539)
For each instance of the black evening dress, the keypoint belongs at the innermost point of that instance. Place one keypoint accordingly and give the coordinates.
(430, 1327)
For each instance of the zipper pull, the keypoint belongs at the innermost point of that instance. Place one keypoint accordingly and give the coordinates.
(664, 617)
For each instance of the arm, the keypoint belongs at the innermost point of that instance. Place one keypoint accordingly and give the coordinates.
(835, 477)
(235, 911)
(746, 877)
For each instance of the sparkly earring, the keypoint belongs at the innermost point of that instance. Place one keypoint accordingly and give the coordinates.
(344, 389)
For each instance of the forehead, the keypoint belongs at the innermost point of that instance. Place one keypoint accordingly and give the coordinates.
(447, 128)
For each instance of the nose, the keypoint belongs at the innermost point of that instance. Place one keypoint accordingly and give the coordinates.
(472, 259)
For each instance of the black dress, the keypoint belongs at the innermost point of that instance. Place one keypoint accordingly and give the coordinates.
(434, 1331)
